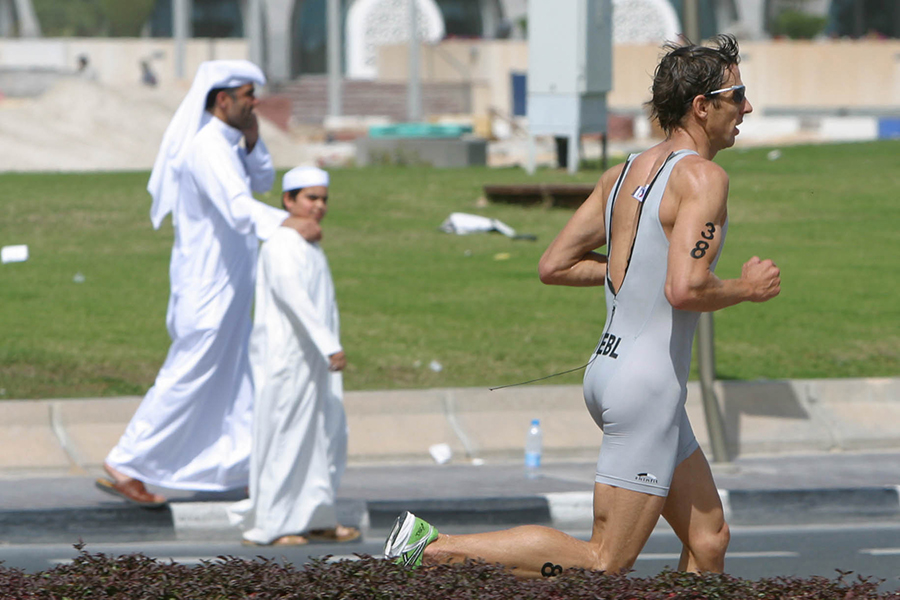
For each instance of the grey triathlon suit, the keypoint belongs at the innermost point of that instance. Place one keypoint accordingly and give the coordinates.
(636, 384)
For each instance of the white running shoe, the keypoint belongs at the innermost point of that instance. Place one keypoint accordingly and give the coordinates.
(406, 542)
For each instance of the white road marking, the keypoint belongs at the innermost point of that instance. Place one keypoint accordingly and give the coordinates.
(189, 516)
(183, 560)
(339, 557)
(196, 560)
(762, 554)
(193, 560)
(880, 551)
(658, 556)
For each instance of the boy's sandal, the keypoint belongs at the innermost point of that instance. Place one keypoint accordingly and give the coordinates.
(337, 534)
(285, 540)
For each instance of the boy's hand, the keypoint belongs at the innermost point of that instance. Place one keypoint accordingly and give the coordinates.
(337, 361)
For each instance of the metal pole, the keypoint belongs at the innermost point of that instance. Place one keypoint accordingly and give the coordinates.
(706, 363)
(7, 18)
(255, 32)
(859, 19)
(603, 155)
(29, 26)
(180, 25)
(334, 58)
(574, 155)
(531, 165)
(691, 21)
(414, 86)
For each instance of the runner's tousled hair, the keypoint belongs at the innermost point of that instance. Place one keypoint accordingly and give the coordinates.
(687, 71)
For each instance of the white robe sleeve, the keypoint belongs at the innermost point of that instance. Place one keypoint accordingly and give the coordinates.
(285, 265)
(216, 174)
(260, 168)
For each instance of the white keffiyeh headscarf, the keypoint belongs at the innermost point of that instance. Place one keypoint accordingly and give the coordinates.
(190, 117)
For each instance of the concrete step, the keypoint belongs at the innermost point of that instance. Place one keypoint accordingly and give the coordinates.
(309, 98)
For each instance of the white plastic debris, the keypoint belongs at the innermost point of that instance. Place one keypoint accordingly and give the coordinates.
(774, 155)
(435, 366)
(11, 254)
(441, 453)
(79, 278)
(464, 224)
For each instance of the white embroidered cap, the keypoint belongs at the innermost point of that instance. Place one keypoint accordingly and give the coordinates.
(303, 177)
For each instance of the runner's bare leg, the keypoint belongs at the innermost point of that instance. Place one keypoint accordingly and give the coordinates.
(623, 521)
(694, 511)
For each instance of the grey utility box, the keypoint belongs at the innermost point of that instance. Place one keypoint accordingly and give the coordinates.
(569, 71)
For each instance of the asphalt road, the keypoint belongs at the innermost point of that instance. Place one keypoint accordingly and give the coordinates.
(868, 549)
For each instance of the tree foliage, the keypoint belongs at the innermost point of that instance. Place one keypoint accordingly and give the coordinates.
(72, 18)
(93, 18)
(125, 19)
(798, 25)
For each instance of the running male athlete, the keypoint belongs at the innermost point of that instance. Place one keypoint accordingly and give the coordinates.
(662, 217)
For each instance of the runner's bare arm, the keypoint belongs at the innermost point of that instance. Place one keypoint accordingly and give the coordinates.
(695, 240)
(571, 259)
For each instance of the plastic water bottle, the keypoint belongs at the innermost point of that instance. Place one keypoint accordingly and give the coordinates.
(533, 446)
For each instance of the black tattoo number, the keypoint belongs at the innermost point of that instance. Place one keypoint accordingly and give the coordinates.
(551, 570)
(699, 251)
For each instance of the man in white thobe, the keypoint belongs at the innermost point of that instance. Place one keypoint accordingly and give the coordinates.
(192, 431)
(299, 425)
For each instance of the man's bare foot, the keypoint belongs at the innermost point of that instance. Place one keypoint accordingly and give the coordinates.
(115, 475)
(129, 488)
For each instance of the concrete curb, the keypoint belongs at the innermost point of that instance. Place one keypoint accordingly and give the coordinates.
(72, 437)
(565, 510)
(65, 437)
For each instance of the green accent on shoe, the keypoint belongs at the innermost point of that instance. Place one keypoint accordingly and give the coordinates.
(406, 542)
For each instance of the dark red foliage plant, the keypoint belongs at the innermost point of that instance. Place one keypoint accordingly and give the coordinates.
(137, 577)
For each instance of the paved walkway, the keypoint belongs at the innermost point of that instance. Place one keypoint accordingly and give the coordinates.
(796, 461)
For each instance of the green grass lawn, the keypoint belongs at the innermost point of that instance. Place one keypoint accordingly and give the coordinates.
(409, 294)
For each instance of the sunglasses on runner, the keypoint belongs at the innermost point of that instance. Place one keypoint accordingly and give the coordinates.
(740, 92)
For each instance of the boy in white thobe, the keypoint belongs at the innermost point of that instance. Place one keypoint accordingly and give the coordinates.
(299, 426)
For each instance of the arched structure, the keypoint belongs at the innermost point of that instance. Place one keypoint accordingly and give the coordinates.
(294, 35)
(644, 22)
(371, 23)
